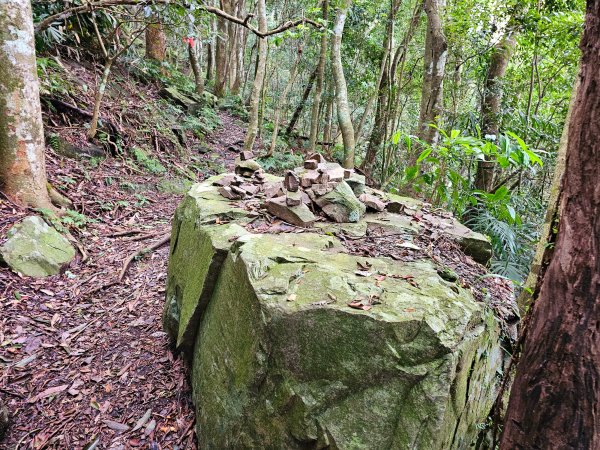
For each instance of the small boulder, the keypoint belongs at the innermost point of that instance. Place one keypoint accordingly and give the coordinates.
(298, 215)
(291, 181)
(293, 198)
(35, 249)
(246, 168)
(357, 183)
(246, 155)
(372, 202)
(311, 164)
(341, 205)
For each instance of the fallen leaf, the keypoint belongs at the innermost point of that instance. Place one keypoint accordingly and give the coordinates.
(117, 426)
(48, 392)
(140, 423)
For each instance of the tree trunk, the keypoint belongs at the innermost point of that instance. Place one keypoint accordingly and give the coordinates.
(198, 78)
(156, 40)
(221, 54)
(490, 107)
(98, 99)
(436, 53)
(555, 400)
(282, 102)
(328, 120)
(314, 116)
(343, 109)
(545, 246)
(258, 79)
(383, 87)
(300, 107)
(22, 163)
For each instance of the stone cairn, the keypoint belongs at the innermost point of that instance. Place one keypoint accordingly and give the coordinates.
(317, 186)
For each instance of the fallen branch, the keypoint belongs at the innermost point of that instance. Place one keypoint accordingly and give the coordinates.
(162, 241)
(87, 7)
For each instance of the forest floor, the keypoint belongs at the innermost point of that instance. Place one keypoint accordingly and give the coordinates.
(84, 359)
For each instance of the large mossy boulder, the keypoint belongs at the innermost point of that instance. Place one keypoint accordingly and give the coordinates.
(35, 249)
(295, 345)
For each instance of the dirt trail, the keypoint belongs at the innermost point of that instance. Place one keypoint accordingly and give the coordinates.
(80, 362)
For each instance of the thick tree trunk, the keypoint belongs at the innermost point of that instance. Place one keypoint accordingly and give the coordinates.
(22, 163)
(258, 79)
(314, 116)
(300, 107)
(555, 400)
(436, 54)
(156, 40)
(343, 109)
(490, 107)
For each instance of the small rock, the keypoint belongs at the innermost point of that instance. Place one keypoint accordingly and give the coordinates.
(293, 198)
(299, 215)
(323, 177)
(291, 181)
(305, 182)
(35, 249)
(372, 202)
(246, 155)
(225, 181)
(341, 205)
(311, 164)
(395, 207)
(239, 191)
(273, 189)
(322, 189)
(250, 189)
(347, 173)
(246, 168)
(317, 157)
(357, 183)
(227, 192)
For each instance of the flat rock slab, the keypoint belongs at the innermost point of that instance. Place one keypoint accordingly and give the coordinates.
(35, 249)
(295, 344)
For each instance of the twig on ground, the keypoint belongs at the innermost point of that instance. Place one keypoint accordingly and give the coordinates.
(162, 241)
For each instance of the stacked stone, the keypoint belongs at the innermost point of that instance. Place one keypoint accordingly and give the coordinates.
(319, 185)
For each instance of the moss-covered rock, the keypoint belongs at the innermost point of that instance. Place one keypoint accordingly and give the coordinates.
(281, 360)
(35, 249)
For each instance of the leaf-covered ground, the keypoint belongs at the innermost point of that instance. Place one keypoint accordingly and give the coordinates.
(83, 357)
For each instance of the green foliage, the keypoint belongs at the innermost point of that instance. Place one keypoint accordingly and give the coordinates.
(52, 77)
(151, 164)
(235, 105)
(203, 123)
(281, 162)
(69, 219)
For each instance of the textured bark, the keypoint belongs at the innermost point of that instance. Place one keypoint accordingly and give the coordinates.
(22, 163)
(545, 247)
(555, 400)
(343, 109)
(300, 107)
(314, 115)
(98, 99)
(195, 64)
(383, 88)
(282, 102)
(328, 122)
(156, 40)
(490, 107)
(436, 54)
(221, 53)
(258, 79)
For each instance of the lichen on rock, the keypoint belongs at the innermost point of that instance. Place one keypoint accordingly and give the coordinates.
(35, 249)
(295, 343)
